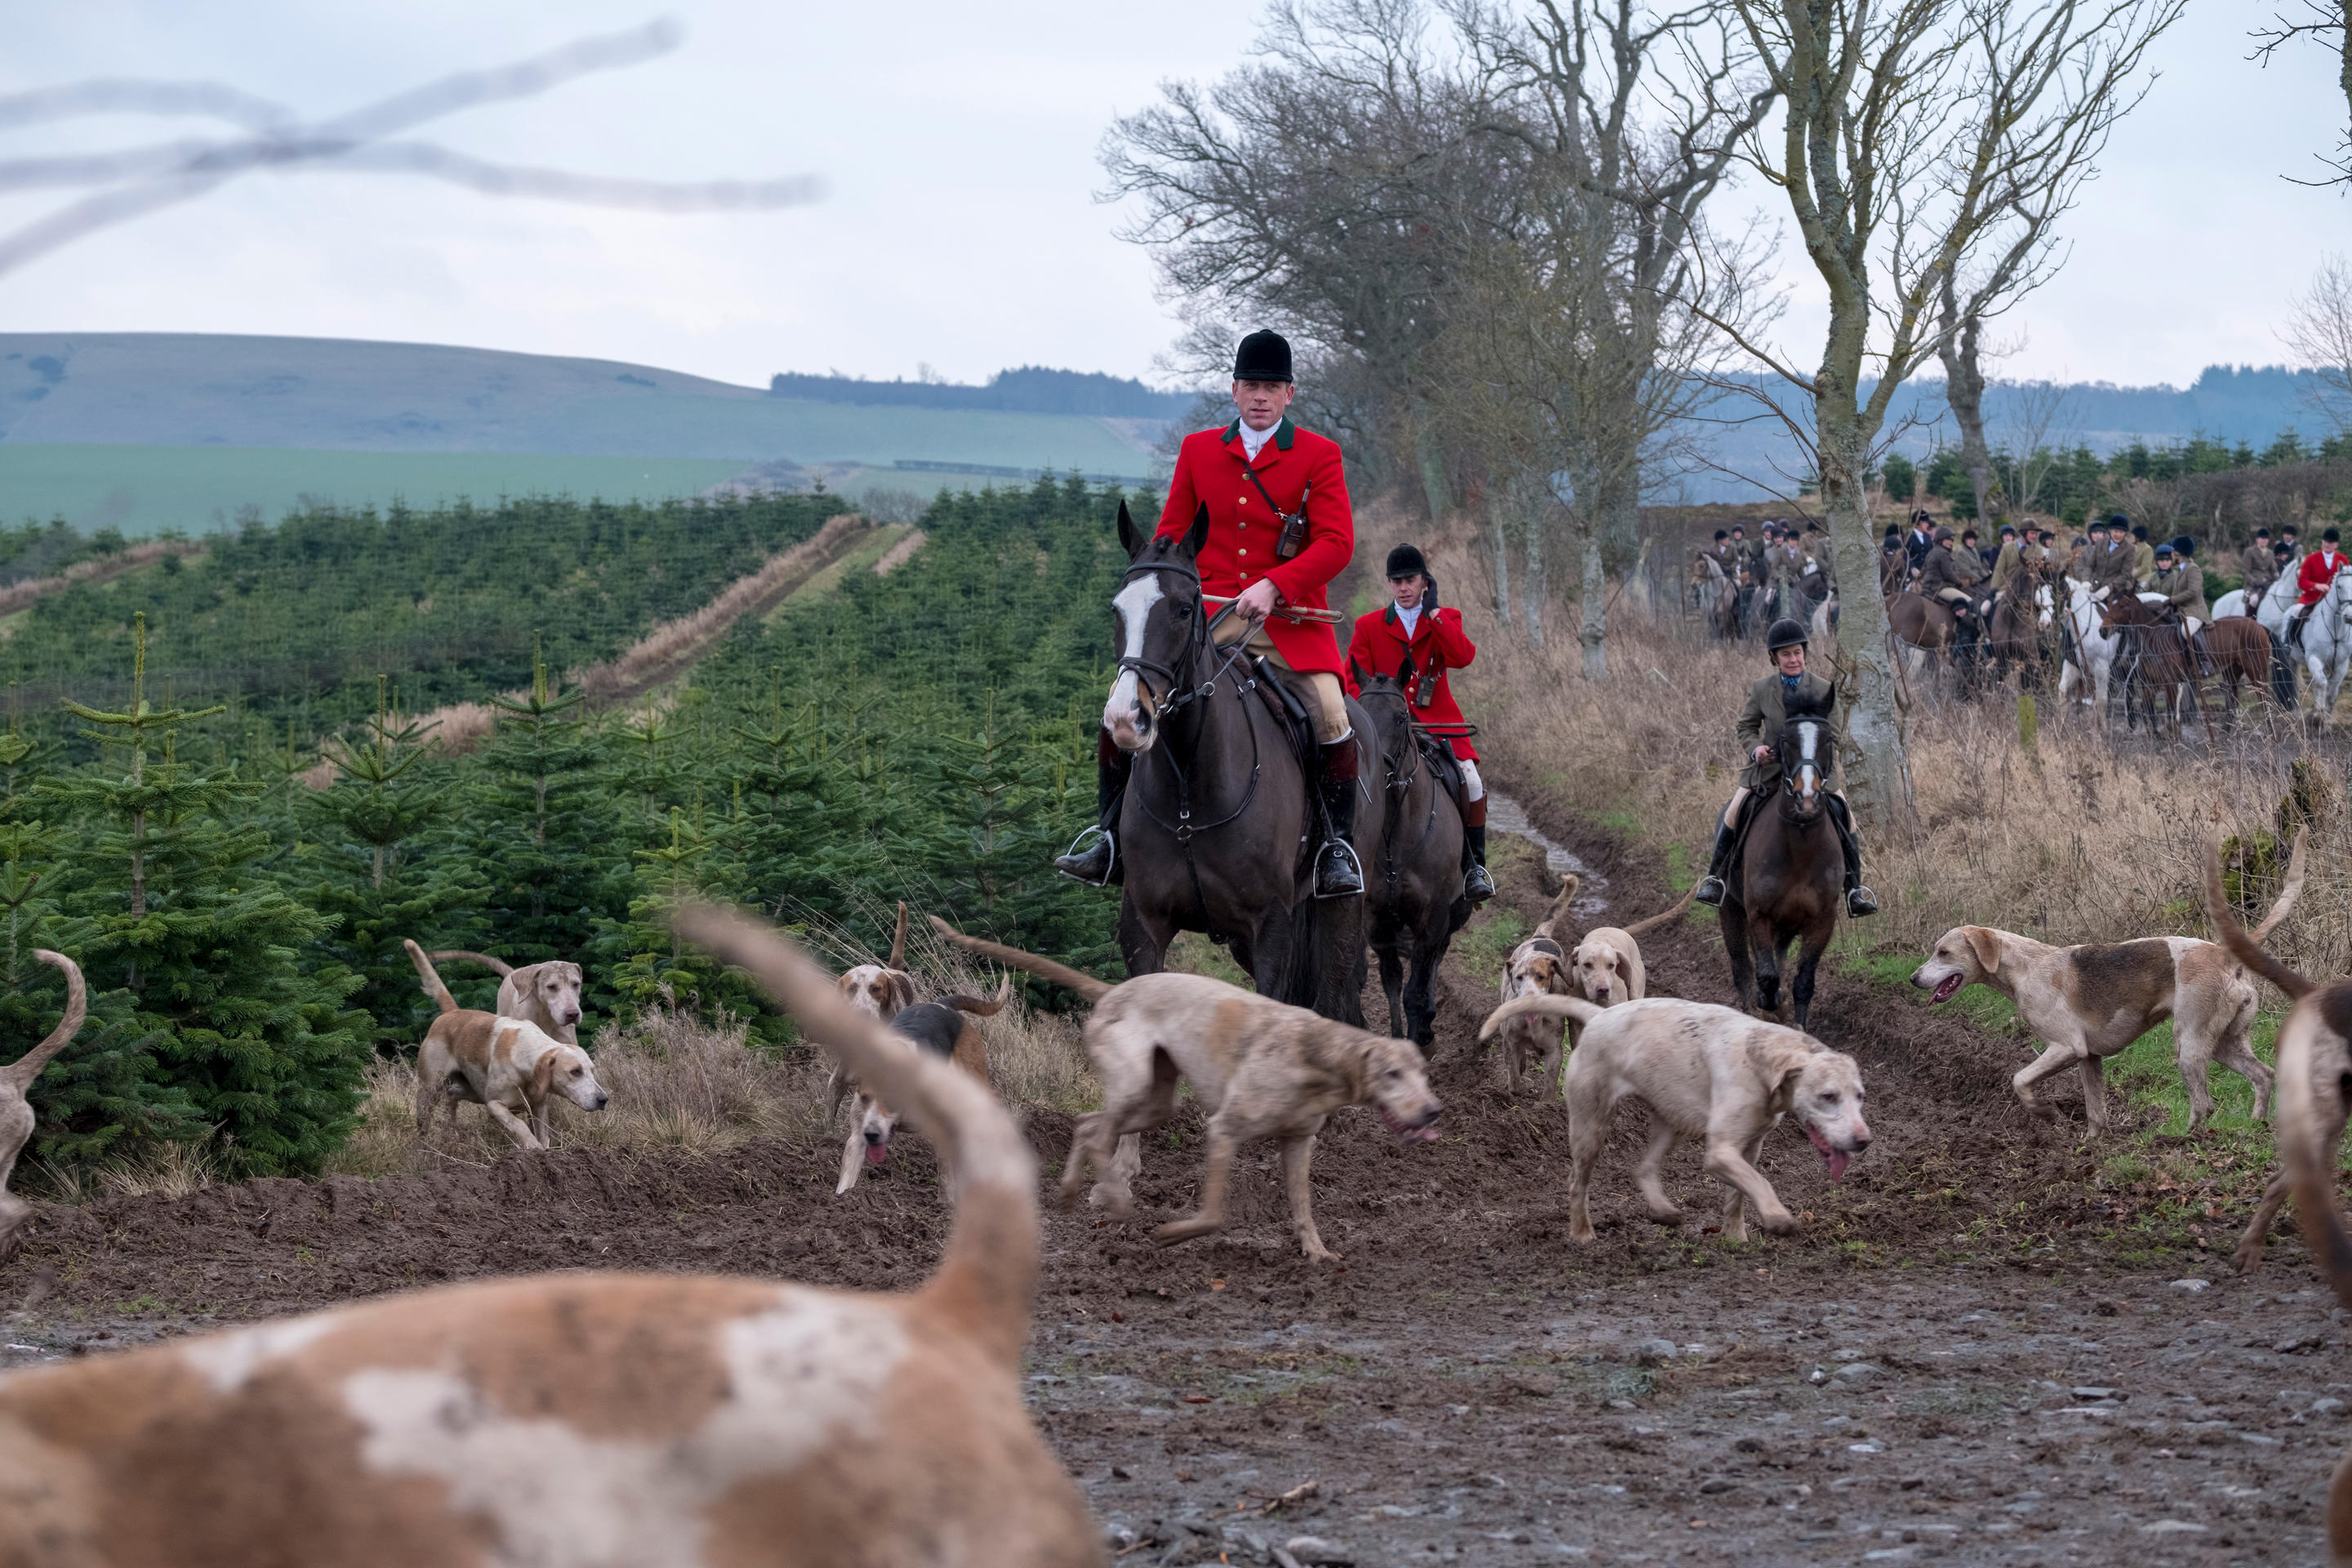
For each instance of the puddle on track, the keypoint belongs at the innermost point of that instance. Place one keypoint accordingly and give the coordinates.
(1504, 814)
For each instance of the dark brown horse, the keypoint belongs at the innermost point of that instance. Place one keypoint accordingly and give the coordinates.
(1412, 871)
(1791, 872)
(1217, 832)
(2014, 639)
(2155, 660)
(2241, 647)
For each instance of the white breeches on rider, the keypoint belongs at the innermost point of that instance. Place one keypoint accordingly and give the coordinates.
(1473, 786)
(1326, 701)
(1731, 812)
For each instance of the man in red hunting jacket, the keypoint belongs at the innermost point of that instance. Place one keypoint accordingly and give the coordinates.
(1253, 476)
(2317, 575)
(1414, 642)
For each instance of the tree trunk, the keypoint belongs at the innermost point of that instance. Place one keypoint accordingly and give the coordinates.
(1594, 629)
(1621, 514)
(1535, 588)
(1964, 393)
(1429, 457)
(1881, 785)
(1502, 545)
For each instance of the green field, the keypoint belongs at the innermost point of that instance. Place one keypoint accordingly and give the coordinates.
(143, 490)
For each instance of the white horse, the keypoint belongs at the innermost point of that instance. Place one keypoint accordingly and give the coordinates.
(2092, 658)
(2327, 636)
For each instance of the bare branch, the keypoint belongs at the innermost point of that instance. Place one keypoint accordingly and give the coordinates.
(150, 178)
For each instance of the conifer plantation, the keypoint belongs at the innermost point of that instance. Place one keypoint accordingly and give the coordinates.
(223, 791)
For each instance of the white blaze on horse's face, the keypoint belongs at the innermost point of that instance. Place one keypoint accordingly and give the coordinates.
(1124, 716)
(1809, 767)
(2041, 602)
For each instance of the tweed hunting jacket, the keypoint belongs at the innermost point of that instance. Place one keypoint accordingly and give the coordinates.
(2183, 588)
(1759, 725)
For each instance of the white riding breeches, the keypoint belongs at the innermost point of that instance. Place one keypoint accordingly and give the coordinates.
(1473, 786)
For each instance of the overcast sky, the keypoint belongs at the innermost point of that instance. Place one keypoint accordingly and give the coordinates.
(958, 145)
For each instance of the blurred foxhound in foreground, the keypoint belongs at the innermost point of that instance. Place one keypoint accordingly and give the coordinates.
(591, 1419)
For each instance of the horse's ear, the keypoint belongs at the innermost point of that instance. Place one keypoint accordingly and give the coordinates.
(1130, 537)
(1198, 535)
(1829, 699)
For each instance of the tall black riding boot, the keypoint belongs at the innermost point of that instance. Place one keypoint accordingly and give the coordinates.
(1476, 884)
(1710, 889)
(1338, 873)
(1098, 865)
(1859, 900)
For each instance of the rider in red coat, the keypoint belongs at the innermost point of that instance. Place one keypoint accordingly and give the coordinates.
(1254, 477)
(2313, 581)
(1415, 641)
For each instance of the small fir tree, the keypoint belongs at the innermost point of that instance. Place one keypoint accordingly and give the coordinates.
(548, 835)
(181, 917)
(369, 866)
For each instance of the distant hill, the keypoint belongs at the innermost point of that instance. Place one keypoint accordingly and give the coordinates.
(171, 389)
(2244, 403)
(145, 431)
(1031, 389)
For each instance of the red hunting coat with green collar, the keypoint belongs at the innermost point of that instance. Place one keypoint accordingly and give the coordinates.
(1438, 643)
(1211, 471)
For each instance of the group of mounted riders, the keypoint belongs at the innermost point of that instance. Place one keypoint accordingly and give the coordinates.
(1783, 572)
(1223, 617)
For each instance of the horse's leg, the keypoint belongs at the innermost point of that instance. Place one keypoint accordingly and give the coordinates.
(1390, 946)
(1272, 950)
(1734, 921)
(1764, 941)
(1143, 938)
(1809, 958)
(1419, 993)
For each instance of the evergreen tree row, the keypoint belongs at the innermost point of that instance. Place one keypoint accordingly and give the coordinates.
(927, 735)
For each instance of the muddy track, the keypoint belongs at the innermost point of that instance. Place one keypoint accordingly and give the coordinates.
(1468, 1385)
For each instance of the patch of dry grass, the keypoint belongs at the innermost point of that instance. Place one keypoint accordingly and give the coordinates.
(2090, 835)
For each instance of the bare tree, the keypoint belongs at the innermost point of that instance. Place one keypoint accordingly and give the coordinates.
(2330, 23)
(2320, 333)
(2103, 46)
(1312, 189)
(2032, 432)
(127, 182)
(1624, 119)
(1917, 138)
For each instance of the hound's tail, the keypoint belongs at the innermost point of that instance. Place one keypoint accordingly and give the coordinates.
(2247, 950)
(973, 1005)
(432, 976)
(1574, 1009)
(898, 941)
(1654, 921)
(498, 966)
(2288, 894)
(1549, 924)
(1085, 986)
(988, 1276)
(26, 1067)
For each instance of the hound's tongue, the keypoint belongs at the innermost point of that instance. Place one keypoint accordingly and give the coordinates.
(1837, 1158)
(1944, 989)
(877, 1152)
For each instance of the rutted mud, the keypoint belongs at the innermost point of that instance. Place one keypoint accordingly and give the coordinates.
(1468, 1385)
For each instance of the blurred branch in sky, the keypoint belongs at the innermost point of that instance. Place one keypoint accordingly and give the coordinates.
(138, 180)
